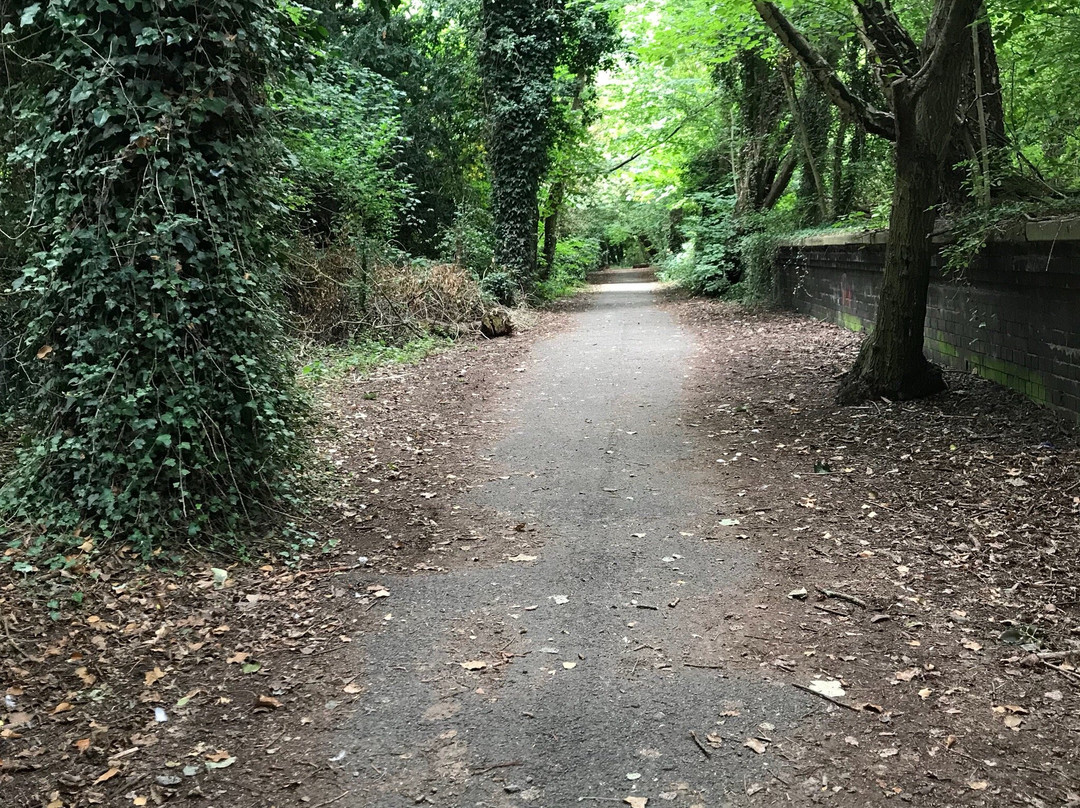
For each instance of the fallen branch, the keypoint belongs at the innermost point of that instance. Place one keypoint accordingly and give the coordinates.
(842, 596)
(827, 698)
(329, 570)
(499, 766)
(700, 745)
(1068, 674)
(826, 609)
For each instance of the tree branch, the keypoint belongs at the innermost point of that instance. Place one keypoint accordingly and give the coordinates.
(947, 32)
(890, 40)
(873, 120)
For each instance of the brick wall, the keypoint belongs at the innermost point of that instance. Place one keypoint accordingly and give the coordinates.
(1013, 316)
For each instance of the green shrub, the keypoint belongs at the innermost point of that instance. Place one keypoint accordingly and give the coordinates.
(574, 260)
(501, 287)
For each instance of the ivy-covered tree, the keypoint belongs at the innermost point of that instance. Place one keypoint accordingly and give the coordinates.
(159, 399)
(520, 45)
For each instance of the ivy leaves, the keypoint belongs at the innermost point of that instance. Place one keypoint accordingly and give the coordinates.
(165, 409)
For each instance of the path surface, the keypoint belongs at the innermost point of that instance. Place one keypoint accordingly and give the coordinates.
(589, 691)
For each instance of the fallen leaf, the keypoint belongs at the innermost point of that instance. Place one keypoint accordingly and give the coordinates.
(219, 764)
(637, 802)
(522, 557)
(18, 719)
(153, 676)
(908, 675)
(753, 789)
(560, 599)
(1013, 722)
(268, 702)
(87, 678)
(756, 745)
(353, 688)
(924, 694)
(109, 775)
(473, 665)
(82, 744)
(62, 707)
(978, 785)
(971, 645)
(569, 665)
(237, 658)
(828, 687)
(43, 351)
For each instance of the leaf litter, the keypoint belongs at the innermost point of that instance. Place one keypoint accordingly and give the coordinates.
(970, 580)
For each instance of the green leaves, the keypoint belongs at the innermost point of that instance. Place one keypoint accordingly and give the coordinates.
(165, 409)
(29, 14)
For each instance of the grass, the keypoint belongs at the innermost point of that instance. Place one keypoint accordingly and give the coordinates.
(364, 356)
(556, 288)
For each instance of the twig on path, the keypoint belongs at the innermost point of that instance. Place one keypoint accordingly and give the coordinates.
(707, 667)
(1068, 674)
(700, 745)
(498, 766)
(842, 596)
(328, 570)
(837, 612)
(806, 689)
(327, 802)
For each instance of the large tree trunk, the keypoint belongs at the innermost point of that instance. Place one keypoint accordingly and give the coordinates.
(517, 64)
(891, 362)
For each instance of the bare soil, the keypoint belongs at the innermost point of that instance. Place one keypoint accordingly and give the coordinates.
(951, 523)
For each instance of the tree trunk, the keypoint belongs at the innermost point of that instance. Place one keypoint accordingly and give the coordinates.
(551, 226)
(891, 362)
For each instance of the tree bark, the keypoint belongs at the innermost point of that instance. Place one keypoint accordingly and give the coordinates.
(891, 362)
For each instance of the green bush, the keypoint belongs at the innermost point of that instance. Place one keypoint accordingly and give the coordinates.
(501, 287)
(710, 264)
(574, 260)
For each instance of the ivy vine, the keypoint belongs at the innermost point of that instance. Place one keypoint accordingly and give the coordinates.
(158, 394)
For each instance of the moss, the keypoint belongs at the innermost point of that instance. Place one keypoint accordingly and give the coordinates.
(850, 322)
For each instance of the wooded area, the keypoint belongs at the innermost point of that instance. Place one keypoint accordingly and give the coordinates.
(194, 193)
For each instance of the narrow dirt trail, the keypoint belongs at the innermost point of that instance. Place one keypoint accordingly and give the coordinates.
(589, 688)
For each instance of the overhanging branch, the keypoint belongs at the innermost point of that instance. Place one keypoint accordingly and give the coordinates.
(873, 120)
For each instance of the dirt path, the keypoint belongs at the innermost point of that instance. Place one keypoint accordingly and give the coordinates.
(584, 638)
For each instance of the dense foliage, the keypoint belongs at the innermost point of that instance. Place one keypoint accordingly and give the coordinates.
(189, 189)
(157, 389)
